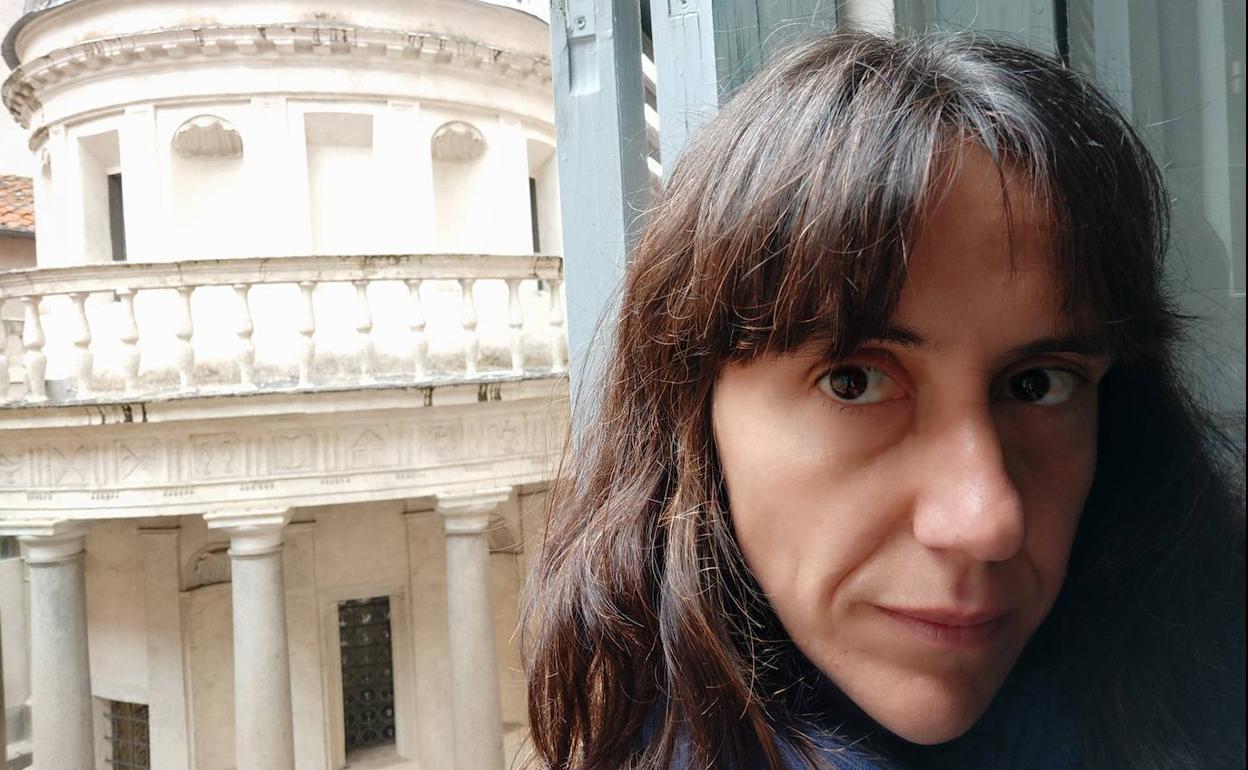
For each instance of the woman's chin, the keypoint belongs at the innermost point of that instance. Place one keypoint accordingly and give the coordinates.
(929, 718)
(930, 734)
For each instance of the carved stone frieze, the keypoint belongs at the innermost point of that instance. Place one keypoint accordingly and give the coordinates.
(137, 461)
(293, 451)
(505, 436)
(215, 456)
(171, 468)
(13, 466)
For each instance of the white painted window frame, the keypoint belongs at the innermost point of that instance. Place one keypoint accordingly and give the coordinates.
(402, 653)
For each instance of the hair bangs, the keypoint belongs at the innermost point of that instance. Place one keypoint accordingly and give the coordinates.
(799, 216)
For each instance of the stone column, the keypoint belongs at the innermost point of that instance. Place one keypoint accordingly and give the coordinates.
(264, 733)
(60, 672)
(475, 706)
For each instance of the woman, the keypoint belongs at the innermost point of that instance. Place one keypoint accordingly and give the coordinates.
(893, 466)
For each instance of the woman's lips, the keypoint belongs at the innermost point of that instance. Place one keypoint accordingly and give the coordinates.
(957, 628)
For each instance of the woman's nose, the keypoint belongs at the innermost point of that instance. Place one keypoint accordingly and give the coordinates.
(967, 501)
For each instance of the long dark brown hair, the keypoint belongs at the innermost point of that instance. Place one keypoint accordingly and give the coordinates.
(791, 215)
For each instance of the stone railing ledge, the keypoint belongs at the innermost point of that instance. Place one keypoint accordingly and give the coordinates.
(108, 360)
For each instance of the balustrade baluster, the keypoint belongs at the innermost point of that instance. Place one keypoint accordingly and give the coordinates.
(468, 321)
(82, 342)
(557, 339)
(129, 342)
(185, 331)
(307, 328)
(35, 360)
(420, 343)
(515, 319)
(246, 355)
(364, 330)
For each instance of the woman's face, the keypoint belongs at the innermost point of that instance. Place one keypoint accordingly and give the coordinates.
(909, 510)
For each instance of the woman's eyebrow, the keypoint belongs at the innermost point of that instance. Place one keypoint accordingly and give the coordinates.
(903, 336)
(1080, 343)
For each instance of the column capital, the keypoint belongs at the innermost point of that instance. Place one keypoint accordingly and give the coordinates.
(252, 532)
(47, 541)
(468, 513)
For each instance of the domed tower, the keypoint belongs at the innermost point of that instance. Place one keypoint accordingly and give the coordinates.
(171, 130)
(285, 371)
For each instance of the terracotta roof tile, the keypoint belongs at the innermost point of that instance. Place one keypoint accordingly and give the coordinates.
(17, 203)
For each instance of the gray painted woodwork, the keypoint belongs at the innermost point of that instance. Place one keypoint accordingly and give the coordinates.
(1030, 22)
(748, 31)
(705, 49)
(603, 179)
(684, 46)
(596, 50)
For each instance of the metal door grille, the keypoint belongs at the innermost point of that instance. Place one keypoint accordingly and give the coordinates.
(128, 736)
(367, 673)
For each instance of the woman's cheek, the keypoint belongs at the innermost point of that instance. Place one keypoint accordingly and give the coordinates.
(1052, 459)
(1052, 455)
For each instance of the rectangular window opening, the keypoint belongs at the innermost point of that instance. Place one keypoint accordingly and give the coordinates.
(116, 219)
(9, 548)
(128, 736)
(537, 238)
(367, 674)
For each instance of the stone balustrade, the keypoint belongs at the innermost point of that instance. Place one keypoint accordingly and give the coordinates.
(131, 331)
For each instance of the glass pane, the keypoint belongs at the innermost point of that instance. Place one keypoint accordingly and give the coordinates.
(1177, 67)
(367, 673)
(129, 739)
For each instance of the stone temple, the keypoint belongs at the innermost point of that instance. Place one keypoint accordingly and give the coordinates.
(281, 383)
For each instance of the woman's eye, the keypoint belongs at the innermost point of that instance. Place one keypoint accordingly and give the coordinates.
(1043, 387)
(858, 385)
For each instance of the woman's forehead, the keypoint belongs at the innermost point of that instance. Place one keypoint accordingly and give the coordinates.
(974, 195)
(983, 219)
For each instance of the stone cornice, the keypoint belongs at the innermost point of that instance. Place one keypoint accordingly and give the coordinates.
(19, 419)
(22, 91)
